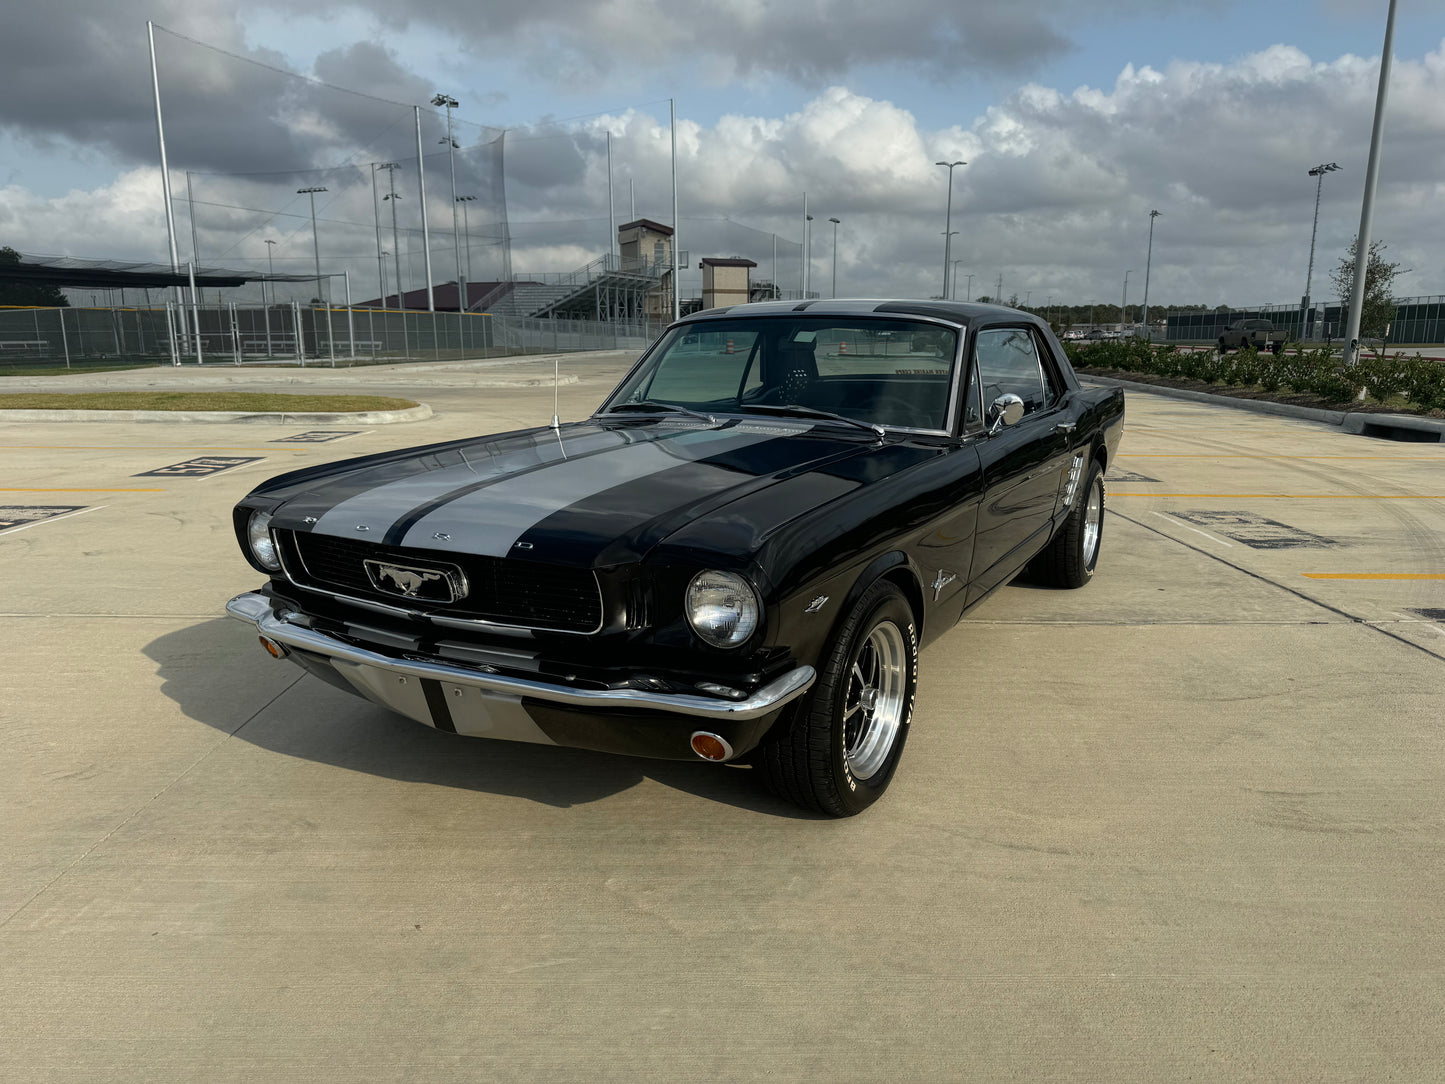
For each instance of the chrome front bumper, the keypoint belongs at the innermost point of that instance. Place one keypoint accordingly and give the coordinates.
(255, 609)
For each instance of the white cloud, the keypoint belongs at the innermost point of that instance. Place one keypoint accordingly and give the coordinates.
(1055, 195)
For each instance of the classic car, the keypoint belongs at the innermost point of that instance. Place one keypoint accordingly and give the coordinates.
(738, 557)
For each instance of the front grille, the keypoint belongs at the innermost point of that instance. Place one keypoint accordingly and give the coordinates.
(503, 590)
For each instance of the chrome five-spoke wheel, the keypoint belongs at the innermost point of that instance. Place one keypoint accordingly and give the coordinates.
(874, 704)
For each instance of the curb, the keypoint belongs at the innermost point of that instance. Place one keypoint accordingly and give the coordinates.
(420, 412)
(1401, 427)
(1258, 406)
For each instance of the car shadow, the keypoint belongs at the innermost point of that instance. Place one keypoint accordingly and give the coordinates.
(304, 717)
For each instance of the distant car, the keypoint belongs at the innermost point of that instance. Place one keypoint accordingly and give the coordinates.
(1259, 334)
(739, 554)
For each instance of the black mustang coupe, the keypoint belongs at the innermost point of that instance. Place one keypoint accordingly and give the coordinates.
(739, 555)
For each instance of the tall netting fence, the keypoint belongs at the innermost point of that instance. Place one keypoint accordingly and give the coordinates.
(291, 172)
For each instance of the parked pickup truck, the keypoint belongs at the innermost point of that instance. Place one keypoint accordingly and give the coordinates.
(1260, 334)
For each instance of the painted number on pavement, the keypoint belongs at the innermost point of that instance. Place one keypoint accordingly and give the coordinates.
(201, 467)
(316, 436)
(1255, 531)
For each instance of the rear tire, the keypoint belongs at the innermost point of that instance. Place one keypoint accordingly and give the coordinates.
(835, 752)
(1072, 554)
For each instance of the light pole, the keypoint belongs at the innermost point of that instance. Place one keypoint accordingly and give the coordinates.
(1319, 171)
(955, 278)
(392, 197)
(1148, 262)
(835, 255)
(808, 249)
(948, 222)
(450, 103)
(948, 236)
(467, 232)
(1124, 302)
(968, 289)
(315, 241)
(1367, 205)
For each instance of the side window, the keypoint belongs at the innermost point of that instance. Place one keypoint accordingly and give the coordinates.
(1054, 386)
(1008, 363)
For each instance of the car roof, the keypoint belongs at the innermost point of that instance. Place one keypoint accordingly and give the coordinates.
(956, 312)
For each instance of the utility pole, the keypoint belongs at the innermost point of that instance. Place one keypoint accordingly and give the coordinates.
(1124, 302)
(835, 255)
(948, 222)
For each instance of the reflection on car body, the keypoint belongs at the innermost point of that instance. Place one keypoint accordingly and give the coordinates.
(739, 555)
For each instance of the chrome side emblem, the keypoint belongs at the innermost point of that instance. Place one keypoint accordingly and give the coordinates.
(817, 604)
(521, 545)
(309, 520)
(1076, 471)
(362, 527)
(942, 580)
(442, 583)
(442, 536)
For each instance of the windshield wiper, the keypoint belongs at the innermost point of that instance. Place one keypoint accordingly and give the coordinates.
(654, 405)
(798, 411)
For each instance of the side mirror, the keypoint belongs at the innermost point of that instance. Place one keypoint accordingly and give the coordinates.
(1007, 409)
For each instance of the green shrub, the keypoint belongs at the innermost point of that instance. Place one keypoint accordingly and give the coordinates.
(1424, 382)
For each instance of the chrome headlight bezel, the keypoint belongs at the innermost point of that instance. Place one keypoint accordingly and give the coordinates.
(262, 544)
(723, 608)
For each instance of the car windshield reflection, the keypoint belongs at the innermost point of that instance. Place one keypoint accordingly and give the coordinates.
(877, 372)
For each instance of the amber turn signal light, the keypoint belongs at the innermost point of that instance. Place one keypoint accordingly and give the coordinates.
(710, 746)
(275, 650)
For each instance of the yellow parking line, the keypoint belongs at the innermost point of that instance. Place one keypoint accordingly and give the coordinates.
(1292, 496)
(1373, 575)
(18, 489)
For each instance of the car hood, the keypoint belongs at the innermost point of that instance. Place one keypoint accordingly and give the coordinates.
(587, 494)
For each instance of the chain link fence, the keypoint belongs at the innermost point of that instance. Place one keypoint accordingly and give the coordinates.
(288, 334)
(1419, 321)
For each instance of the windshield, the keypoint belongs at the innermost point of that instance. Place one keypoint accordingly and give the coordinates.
(877, 371)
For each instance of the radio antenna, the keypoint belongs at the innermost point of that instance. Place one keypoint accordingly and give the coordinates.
(556, 379)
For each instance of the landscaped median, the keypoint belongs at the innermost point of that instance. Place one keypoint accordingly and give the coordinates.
(1301, 377)
(228, 406)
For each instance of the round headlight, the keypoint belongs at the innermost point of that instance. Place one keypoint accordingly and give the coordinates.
(263, 547)
(722, 608)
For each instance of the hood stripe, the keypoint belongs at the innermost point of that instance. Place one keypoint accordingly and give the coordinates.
(376, 507)
(500, 513)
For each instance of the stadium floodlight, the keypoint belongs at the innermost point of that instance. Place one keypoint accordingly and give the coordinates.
(310, 193)
(948, 222)
(393, 196)
(447, 102)
(1318, 171)
(466, 231)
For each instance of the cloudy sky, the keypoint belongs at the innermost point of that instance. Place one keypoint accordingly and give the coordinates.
(1075, 118)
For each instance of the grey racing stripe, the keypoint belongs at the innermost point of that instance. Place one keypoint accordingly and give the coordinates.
(491, 519)
(378, 508)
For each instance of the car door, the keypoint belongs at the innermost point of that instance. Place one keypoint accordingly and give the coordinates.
(1025, 464)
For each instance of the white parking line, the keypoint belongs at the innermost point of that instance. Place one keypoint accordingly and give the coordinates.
(1196, 530)
(53, 519)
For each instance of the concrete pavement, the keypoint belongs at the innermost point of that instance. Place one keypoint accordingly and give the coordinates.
(1184, 823)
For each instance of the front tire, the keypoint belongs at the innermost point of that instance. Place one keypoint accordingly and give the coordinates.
(1071, 556)
(837, 750)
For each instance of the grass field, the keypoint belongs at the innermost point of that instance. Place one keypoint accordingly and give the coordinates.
(250, 402)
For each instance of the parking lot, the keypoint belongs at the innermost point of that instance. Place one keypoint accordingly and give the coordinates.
(1186, 822)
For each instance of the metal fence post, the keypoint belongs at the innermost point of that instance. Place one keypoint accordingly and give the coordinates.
(296, 326)
(64, 342)
(350, 320)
